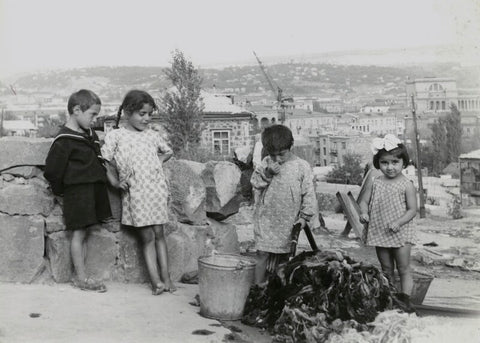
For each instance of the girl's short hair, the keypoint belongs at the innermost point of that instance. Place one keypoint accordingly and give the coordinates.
(84, 98)
(133, 101)
(277, 138)
(398, 152)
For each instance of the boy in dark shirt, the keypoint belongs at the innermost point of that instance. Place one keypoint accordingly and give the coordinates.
(75, 171)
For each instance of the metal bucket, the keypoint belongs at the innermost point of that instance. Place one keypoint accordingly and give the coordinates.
(224, 282)
(421, 283)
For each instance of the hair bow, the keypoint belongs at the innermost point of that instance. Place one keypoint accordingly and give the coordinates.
(389, 142)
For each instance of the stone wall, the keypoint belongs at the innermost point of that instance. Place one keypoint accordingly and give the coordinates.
(35, 246)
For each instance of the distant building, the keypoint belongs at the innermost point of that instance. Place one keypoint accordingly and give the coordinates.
(433, 98)
(470, 178)
(227, 126)
(19, 128)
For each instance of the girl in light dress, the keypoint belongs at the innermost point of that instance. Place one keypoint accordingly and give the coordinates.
(135, 155)
(389, 205)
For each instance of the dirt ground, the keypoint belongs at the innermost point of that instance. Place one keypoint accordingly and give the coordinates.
(129, 313)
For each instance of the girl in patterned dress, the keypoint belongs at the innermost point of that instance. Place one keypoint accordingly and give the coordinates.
(284, 195)
(136, 154)
(389, 205)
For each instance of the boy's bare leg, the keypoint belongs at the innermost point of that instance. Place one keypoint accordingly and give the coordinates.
(162, 257)
(261, 267)
(147, 236)
(77, 250)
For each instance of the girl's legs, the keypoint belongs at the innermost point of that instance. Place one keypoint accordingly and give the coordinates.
(402, 260)
(162, 257)
(147, 235)
(385, 257)
(77, 250)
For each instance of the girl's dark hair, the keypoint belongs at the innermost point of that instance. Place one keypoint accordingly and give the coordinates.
(134, 101)
(84, 98)
(276, 138)
(399, 152)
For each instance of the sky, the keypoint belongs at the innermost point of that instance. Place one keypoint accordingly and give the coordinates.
(49, 34)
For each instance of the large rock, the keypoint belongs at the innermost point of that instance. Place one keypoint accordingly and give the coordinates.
(26, 172)
(187, 193)
(54, 223)
(225, 238)
(222, 181)
(58, 253)
(25, 199)
(21, 247)
(15, 151)
(102, 252)
(189, 242)
(197, 167)
(130, 266)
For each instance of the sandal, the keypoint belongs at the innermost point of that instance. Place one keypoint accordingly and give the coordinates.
(90, 285)
(158, 289)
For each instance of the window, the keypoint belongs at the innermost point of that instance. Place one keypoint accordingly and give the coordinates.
(324, 150)
(344, 145)
(221, 142)
(443, 105)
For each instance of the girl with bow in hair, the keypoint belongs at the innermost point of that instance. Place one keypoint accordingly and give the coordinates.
(389, 205)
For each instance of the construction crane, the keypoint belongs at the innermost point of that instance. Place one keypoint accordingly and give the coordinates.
(281, 100)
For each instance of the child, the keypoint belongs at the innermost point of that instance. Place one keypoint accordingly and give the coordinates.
(74, 169)
(388, 206)
(283, 184)
(137, 153)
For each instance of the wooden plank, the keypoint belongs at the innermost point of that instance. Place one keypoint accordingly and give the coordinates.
(352, 212)
(425, 310)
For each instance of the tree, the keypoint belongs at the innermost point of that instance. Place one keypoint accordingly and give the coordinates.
(446, 139)
(183, 105)
(350, 172)
(454, 134)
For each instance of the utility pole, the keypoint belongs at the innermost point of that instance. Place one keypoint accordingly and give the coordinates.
(1, 120)
(419, 167)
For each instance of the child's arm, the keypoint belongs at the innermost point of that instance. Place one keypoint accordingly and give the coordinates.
(364, 200)
(112, 176)
(309, 198)
(164, 151)
(55, 166)
(411, 199)
(262, 175)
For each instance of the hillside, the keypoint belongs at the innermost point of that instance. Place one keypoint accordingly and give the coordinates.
(319, 79)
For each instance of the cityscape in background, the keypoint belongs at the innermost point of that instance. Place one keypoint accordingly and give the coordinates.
(332, 109)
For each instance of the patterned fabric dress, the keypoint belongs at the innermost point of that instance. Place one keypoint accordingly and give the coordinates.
(388, 203)
(135, 153)
(282, 200)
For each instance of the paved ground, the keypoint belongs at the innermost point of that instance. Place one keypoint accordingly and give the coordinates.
(126, 313)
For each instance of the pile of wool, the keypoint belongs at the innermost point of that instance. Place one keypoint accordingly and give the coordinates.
(318, 294)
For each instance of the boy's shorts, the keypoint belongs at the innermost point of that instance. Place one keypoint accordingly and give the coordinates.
(85, 204)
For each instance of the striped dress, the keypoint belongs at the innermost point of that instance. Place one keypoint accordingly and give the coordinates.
(388, 203)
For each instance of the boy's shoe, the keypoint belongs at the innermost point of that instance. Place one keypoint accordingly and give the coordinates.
(89, 285)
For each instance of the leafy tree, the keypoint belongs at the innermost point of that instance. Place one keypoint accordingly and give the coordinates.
(454, 134)
(183, 106)
(446, 139)
(350, 172)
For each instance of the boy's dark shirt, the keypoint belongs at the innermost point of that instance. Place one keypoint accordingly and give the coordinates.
(73, 159)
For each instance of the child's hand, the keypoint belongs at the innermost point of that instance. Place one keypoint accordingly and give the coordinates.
(302, 222)
(364, 218)
(393, 227)
(273, 168)
(123, 185)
